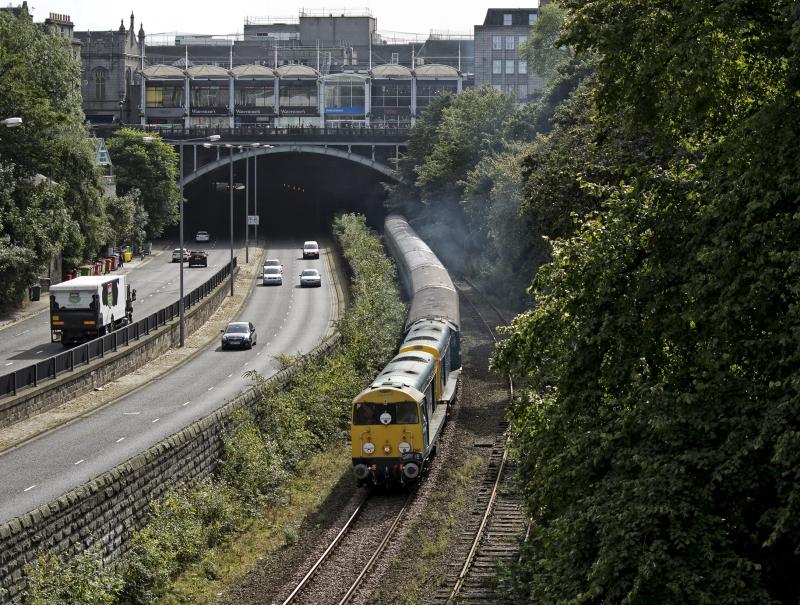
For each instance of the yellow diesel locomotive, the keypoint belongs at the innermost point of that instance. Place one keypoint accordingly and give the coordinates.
(398, 419)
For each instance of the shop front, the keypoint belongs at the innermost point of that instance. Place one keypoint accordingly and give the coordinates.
(345, 101)
(164, 96)
(298, 97)
(391, 96)
(209, 97)
(254, 95)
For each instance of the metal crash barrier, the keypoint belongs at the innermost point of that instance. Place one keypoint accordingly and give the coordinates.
(83, 354)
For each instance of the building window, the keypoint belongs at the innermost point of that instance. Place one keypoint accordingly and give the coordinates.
(523, 67)
(100, 84)
(395, 58)
(497, 43)
(507, 19)
(521, 40)
(497, 66)
(498, 87)
(509, 42)
(510, 66)
(522, 92)
(531, 18)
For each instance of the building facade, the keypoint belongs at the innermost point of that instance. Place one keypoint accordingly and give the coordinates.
(497, 59)
(321, 69)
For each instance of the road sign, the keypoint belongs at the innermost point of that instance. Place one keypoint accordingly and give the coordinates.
(252, 219)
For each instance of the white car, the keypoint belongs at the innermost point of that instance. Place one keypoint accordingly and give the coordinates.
(311, 249)
(272, 276)
(202, 236)
(273, 262)
(310, 278)
(177, 257)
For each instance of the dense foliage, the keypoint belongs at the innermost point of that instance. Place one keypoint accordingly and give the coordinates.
(658, 435)
(51, 198)
(151, 167)
(261, 450)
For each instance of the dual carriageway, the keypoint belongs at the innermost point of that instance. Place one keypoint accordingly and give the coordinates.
(290, 320)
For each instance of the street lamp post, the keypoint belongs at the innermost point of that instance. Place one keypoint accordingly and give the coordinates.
(230, 190)
(181, 306)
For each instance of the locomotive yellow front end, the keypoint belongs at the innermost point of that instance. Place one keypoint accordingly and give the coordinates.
(390, 436)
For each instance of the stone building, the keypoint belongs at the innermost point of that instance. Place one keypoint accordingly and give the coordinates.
(497, 60)
(109, 64)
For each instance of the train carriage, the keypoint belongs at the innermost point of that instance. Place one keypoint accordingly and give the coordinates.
(398, 419)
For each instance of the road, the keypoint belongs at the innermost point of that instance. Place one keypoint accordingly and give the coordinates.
(288, 319)
(156, 282)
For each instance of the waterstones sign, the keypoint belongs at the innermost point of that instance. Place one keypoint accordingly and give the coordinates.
(250, 110)
(208, 111)
(299, 111)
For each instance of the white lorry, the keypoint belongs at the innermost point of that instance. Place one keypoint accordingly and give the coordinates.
(89, 306)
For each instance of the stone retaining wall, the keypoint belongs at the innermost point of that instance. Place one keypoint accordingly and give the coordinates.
(109, 508)
(69, 385)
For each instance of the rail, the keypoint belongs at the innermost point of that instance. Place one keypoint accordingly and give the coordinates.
(52, 367)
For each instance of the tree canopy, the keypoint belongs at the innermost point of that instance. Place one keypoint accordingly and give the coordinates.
(151, 168)
(51, 196)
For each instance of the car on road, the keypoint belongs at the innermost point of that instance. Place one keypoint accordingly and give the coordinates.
(241, 334)
(177, 257)
(273, 262)
(198, 258)
(310, 249)
(202, 236)
(310, 278)
(272, 276)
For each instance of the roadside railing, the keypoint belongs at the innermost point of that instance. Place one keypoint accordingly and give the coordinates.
(81, 355)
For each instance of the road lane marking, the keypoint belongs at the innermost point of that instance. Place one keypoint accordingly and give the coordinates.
(79, 462)
(39, 351)
(229, 375)
(187, 403)
(130, 413)
(259, 353)
(10, 363)
(23, 332)
(27, 489)
(156, 420)
(210, 388)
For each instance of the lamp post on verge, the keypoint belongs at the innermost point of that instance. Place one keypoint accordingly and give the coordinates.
(181, 306)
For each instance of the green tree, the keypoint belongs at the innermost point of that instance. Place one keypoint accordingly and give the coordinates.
(127, 217)
(40, 82)
(658, 432)
(152, 168)
(545, 54)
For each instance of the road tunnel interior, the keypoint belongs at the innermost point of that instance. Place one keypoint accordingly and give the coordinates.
(298, 196)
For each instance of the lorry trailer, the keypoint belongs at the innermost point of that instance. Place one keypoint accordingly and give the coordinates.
(86, 307)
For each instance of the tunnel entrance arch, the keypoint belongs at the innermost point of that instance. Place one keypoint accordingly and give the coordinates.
(224, 160)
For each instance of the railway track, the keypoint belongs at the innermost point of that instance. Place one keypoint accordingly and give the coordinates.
(498, 522)
(341, 569)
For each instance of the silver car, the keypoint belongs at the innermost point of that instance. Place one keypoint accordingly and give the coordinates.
(310, 278)
(272, 276)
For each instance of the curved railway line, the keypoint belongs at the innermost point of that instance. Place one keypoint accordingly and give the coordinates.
(493, 536)
(497, 524)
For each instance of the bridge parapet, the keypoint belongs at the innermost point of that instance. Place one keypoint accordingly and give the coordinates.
(312, 136)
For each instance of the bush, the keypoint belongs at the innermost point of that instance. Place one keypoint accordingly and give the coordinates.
(83, 580)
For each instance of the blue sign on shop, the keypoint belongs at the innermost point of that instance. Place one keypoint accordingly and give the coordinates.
(345, 110)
